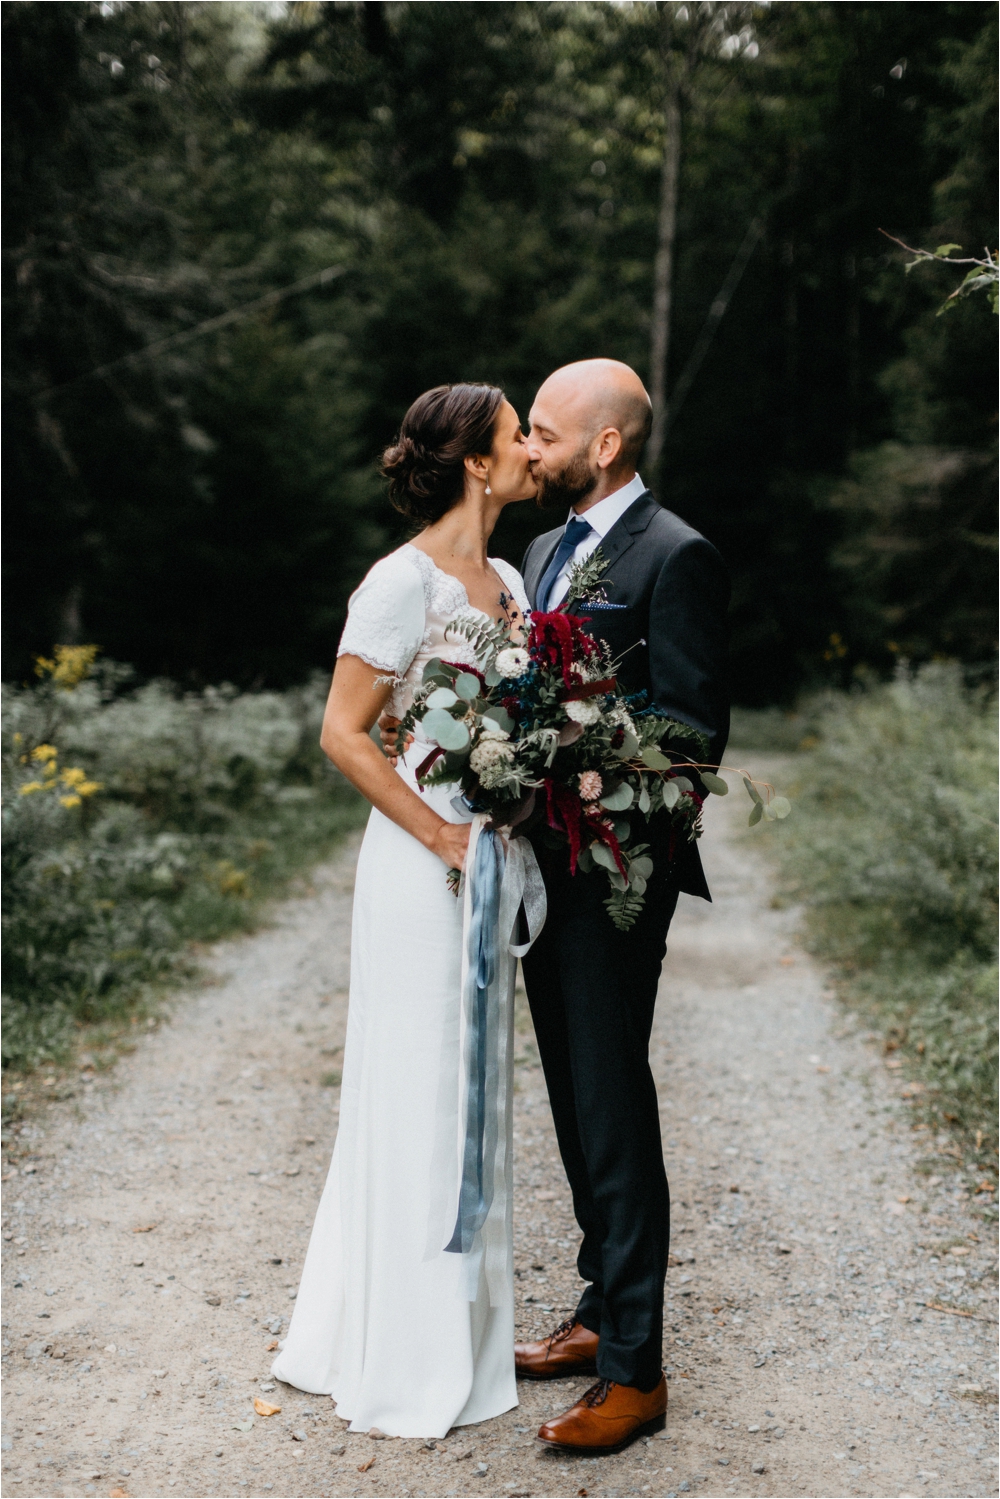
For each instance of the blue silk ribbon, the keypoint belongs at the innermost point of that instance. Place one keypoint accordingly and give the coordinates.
(502, 876)
(481, 1044)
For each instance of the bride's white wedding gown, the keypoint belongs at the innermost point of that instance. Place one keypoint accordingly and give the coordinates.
(400, 1333)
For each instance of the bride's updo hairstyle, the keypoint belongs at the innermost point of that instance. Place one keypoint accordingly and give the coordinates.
(426, 464)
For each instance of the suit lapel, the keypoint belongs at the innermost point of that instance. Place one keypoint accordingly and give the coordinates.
(625, 530)
(543, 555)
(617, 542)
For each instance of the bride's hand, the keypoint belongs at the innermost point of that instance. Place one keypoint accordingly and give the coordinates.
(387, 727)
(451, 843)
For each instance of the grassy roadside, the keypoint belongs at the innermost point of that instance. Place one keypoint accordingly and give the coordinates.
(892, 850)
(140, 822)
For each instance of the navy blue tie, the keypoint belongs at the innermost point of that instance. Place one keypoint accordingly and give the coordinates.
(574, 533)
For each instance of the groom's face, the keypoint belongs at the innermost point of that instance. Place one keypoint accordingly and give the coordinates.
(559, 452)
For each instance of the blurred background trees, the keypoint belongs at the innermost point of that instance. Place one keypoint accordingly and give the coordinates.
(488, 180)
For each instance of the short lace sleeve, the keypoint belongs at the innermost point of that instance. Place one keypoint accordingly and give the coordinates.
(512, 581)
(385, 616)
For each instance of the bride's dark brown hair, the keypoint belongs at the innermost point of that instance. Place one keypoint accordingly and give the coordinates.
(425, 466)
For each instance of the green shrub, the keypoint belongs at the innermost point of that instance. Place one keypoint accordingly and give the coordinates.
(893, 849)
(137, 819)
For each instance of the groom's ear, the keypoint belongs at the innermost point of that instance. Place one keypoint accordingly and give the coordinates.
(607, 447)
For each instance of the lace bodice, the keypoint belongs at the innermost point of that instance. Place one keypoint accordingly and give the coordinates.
(397, 617)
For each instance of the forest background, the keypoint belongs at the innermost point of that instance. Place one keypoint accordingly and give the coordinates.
(240, 238)
(484, 185)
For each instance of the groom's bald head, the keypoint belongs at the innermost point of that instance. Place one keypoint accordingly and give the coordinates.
(594, 394)
(589, 425)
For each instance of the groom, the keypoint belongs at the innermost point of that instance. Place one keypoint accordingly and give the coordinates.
(591, 988)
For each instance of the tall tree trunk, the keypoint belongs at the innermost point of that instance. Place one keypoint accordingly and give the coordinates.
(663, 270)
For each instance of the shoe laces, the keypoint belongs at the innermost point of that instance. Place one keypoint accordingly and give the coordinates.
(562, 1331)
(598, 1393)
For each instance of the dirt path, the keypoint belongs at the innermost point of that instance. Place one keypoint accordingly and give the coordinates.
(803, 1351)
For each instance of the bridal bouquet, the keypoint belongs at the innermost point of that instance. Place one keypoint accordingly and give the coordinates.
(540, 730)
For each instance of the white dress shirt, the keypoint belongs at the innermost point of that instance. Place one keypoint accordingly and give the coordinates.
(600, 517)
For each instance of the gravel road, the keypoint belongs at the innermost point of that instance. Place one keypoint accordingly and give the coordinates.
(155, 1223)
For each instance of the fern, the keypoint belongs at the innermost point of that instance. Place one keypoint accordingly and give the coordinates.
(653, 729)
(623, 906)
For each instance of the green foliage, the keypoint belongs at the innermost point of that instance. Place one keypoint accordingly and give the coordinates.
(917, 555)
(208, 803)
(893, 848)
(984, 276)
(488, 179)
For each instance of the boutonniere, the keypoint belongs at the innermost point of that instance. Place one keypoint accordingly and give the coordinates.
(585, 582)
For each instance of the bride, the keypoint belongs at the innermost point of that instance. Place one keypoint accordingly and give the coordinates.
(405, 1329)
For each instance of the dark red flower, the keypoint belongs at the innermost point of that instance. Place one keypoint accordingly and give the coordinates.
(557, 640)
(564, 811)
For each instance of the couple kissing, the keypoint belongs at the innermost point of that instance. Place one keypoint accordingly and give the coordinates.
(405, 1312)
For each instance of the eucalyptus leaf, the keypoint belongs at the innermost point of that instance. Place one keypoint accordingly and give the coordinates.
(499, 715)
(644, 802)
(623, 830)
(602, 855)
(585, 860)
(442, 729)
(756, 813)
(683, 784)
(671, 794)
(652, 757)
(636, 882)
(618, 799)
(433, 669)
(769, 812)
(618, 881)
(642, 866)
(715, 783)
(781, 806)
(629, 747)
(492, 676)
(441, 697)
(752, 792)
(467, 686)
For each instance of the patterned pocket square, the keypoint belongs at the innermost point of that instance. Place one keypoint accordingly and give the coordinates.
(593, 608)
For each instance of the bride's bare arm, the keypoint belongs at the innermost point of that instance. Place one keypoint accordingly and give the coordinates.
(356, 699)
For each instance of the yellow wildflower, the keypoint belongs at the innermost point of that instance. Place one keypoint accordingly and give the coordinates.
(70, 801)
(51, 770)
(44, 752)
(76, 780)
(71, 665)
(30, 786)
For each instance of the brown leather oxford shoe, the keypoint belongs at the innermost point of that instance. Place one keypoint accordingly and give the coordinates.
(571, 1349)
(607, 1418)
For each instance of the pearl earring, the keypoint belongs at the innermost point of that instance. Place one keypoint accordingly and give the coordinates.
(488, 489)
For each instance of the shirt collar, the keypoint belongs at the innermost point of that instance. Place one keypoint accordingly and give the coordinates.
(607, 512)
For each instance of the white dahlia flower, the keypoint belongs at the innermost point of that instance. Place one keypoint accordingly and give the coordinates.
(583, 711)
(513, 662)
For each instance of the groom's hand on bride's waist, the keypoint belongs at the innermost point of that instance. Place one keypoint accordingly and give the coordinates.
(387, 728)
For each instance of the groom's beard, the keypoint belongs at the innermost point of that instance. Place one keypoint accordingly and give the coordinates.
(568, 487)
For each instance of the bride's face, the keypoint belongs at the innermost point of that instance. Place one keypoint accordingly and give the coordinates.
(510, 476)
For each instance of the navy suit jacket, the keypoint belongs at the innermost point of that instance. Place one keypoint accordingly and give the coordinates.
(667, 594)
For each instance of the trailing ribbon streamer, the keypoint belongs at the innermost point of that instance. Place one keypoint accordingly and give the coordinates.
(502, 874)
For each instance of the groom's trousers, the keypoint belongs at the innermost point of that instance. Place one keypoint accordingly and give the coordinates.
(592, 992)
